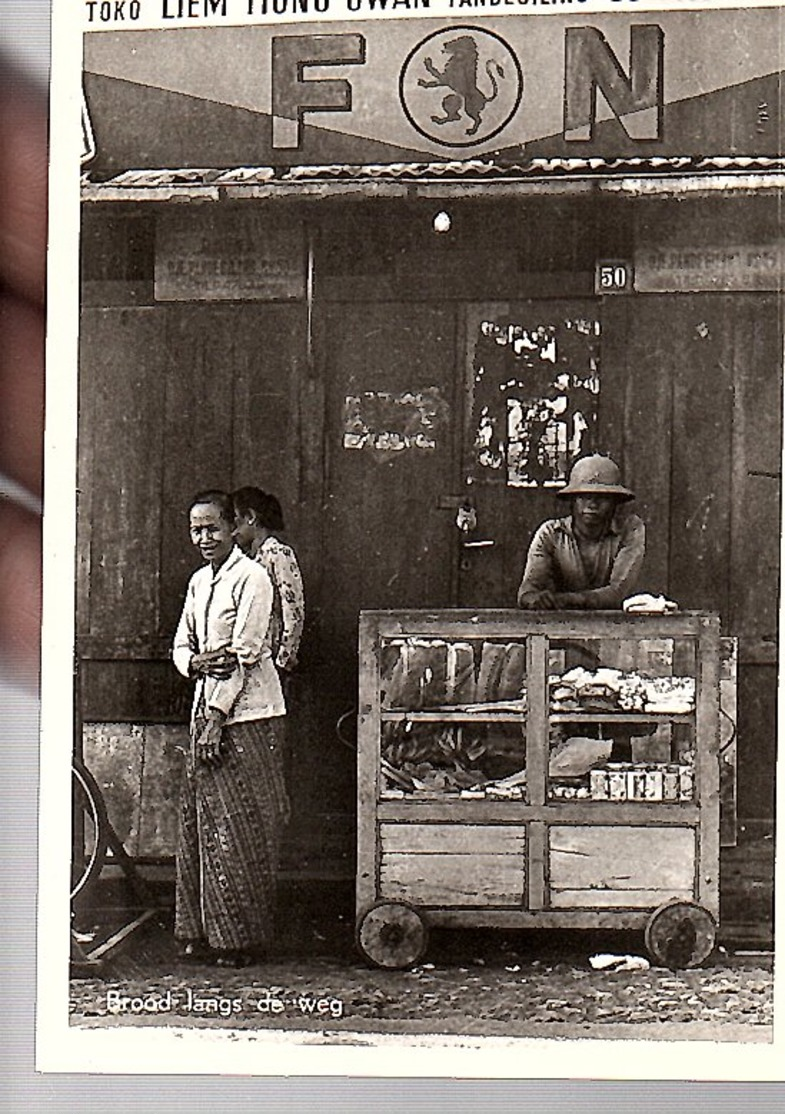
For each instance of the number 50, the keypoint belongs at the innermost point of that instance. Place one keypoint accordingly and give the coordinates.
(613, 277)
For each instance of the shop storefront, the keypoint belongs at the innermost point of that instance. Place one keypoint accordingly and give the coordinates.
(390, 321)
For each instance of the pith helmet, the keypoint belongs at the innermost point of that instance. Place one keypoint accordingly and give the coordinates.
(595, 475)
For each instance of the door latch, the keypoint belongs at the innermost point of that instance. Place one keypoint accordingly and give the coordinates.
(466, 518)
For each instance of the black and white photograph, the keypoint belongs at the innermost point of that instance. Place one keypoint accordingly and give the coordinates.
(411, 616)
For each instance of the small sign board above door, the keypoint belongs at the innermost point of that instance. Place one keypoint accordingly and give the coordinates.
(234, 255)
(721, 267)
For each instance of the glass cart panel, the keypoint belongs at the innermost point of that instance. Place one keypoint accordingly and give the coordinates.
(453, 718)
(622, 720)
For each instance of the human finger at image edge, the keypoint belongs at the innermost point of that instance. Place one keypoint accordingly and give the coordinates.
(23, 185)
(21, 392)
(20, 592)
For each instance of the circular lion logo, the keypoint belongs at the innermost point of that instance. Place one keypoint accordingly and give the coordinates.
(461, 86)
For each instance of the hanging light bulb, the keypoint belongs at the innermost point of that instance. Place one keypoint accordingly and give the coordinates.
(442, 222)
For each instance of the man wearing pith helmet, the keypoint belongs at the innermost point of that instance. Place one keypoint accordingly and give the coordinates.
(591, 558)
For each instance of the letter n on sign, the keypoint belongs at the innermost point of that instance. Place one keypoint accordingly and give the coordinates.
(636, 100)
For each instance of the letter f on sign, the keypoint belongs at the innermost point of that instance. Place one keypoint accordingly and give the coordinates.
(294, 94)
(590, 64)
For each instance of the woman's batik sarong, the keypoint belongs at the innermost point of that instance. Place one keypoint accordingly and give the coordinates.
(231, 820)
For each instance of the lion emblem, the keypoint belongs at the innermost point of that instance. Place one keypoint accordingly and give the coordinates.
(460, 75)
(460, 86)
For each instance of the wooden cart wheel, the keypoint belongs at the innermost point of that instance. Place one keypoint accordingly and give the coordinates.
(680, 934)
(392, 934)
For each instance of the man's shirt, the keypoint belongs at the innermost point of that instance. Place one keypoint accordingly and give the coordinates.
(555, 562)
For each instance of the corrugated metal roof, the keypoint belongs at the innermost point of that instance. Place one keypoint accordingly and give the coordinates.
(140, 179)
(536, 167)
(623, 174)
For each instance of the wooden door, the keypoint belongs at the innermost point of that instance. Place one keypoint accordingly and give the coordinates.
(532, 403)
(388, 532)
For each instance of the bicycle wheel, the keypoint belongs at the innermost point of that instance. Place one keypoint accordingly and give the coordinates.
(89, 824)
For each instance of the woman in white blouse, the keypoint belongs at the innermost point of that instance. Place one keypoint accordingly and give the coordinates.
(233, 800)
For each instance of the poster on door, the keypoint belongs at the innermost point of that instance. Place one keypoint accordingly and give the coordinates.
(535, 395)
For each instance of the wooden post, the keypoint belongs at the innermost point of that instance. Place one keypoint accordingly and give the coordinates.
(368, 756)
(707, 768)
(537, 719)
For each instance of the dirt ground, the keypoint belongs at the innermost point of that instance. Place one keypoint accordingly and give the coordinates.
(474, 982)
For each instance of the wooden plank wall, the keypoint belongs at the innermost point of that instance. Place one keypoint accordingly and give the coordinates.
(700, 443)
(119, 494)
(701, 332)
(138, 769)
(151, 438)
(635, 412)
(756, 473)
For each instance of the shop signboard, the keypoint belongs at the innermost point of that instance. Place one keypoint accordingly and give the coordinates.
(236, 256)
(475, 85)
(719, 267)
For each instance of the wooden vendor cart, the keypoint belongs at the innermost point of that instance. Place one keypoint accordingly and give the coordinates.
(538, 770)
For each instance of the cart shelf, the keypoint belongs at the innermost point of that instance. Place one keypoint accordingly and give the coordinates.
(498, 811)
(433, 715)
(621, 717)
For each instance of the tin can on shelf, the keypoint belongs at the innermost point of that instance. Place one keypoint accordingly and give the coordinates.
(636, 785)
(670, 783)
(617, 784)
(598, 784)
(653, 790)
(686, 783)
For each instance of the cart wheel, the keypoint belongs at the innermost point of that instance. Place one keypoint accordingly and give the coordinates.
(680, 934)
(392, 934)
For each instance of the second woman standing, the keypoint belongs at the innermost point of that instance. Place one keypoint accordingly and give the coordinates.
(258, 519)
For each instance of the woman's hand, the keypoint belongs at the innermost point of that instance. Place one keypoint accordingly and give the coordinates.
(208, 744)
(214, 663)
